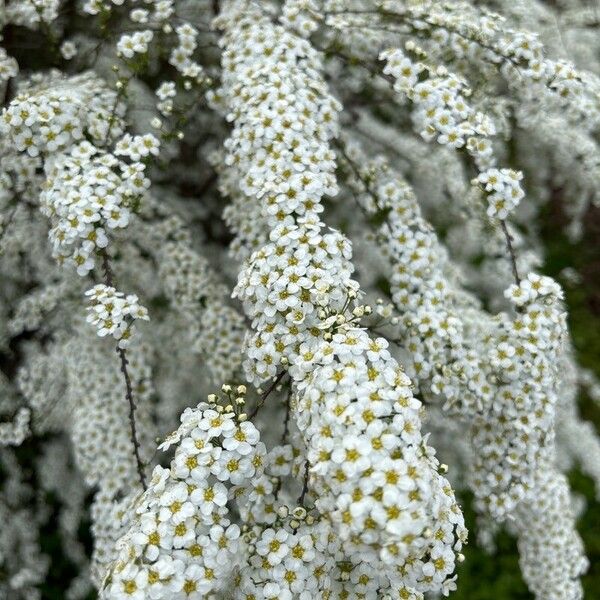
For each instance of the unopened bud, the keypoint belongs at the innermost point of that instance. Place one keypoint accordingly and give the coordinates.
(299, 512)
(359, 311)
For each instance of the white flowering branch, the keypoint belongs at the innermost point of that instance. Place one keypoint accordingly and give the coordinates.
(355, 172)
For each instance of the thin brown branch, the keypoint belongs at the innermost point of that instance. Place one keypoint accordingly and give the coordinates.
(286, 422)
(134, 437)
(109, 278)
(266, 394)
(304, 484)
(511, 251)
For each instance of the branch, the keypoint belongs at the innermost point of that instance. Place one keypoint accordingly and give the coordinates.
(286, 422)
(511, 251)
(109, 278)
(266, 394)
(132, 425)
(304, 485)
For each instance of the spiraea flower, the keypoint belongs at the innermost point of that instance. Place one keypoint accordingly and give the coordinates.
(346, 220)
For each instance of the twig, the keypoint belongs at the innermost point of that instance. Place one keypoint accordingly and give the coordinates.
(109, 277)
(304, 485)
(108, 274)
(511, 251)
(286, 422)
(266, 394)
(130, 400)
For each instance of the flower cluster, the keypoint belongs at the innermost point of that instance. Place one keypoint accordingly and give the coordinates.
(503, 191)
(88, 193)
(525, 361)
(297, 289)
(50, 115)
(489, 370)
(103, 447)
(443, 113)
(113, 313)
(8, 66)
(215, 329)
(183, 543)
(383, 321)
(551, 552)
(181, 55)
(12, 433)
(137, 43)
(138, 146)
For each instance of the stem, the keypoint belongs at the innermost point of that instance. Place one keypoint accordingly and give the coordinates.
(286, 422)
(266, 394)
(511, 251)
(134, 438)
(304, 485)
(108, 275)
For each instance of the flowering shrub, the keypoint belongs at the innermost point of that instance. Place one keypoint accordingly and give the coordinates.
(325, 210)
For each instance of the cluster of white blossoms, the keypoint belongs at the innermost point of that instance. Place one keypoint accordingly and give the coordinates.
(503, 191)
(434, 314)
(53, 112)
(19, 539)
(183, 543)
(486, 370)
(12, 433)
(101, 440)
(442, 110)
(89, 193)
(551, 552)
(137, 43)
(545, 95)
(181, 55)
(32, 13)
(297, 289)
(113, 313)
(137, 147)
(443, 114)
(322, 201)
(8, 66)
(525, 363)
